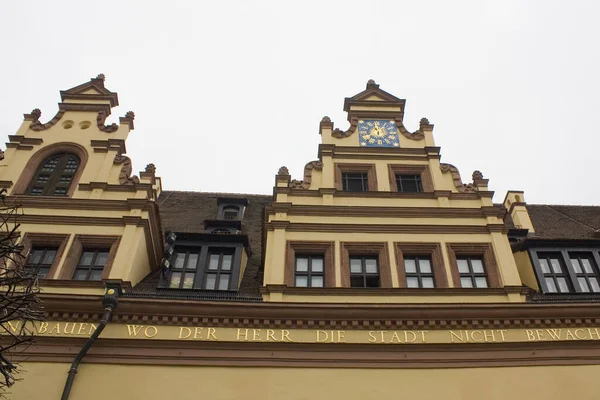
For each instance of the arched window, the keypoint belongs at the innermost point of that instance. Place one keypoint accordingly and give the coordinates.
(54, 175)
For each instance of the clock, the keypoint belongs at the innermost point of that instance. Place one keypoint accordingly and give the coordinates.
(378, 133)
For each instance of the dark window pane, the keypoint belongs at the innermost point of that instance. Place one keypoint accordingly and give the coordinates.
(354, 181)
(95, 275)
(481, 282)
(562, 285)
(224, 282)
(188, 280)
(301, 281)
(544, 266)
(427, 282)
(551, 285)
(175, 279)
(213, 263)
(80, 275)
(356, 266)
(357, 281)
(410, 265)
(463, 266)
(49, 257)
(425, 266)
(576, 265)
(227, 261)
(86, 258)
(317, 264)
(316, 281)
(477, 266)
(301, 264)
(101, 258)
(583, 284)
(43, 272)
(372, 281)
(210, 281)
(371, 265)
(35, 257)
(555, 266)
(192, 261)
(412, 282)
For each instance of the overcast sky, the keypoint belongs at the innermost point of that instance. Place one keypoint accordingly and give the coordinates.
(225, 92)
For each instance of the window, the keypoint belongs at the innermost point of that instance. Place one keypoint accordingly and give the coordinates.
(218, 270)
(364, 272)
(184, 269)
(309, 271)
(585, 271)
(355, 181)
(54, 175)
(231, 212)
(409, 183)
(419, 273)
(472, 273)
(41, 260)
(91, 264)
(564, 271)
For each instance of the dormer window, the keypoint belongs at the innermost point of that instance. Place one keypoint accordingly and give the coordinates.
(231, 213)
(231, 209)
(54, 175)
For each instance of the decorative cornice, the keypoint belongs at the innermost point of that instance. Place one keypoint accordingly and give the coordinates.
(305, 184)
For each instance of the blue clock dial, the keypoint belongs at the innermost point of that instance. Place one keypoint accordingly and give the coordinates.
(378, 133)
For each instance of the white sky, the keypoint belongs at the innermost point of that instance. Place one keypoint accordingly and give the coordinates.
(226, 92)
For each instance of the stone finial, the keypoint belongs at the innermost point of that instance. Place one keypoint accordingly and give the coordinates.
(477, 175)
(36, 114)
(283, 171)
(371, 84)
(130, 115)
(326, 119)
(424, 121)
(102, 77)
(151, 168)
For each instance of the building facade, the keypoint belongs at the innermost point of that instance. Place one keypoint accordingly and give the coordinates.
(380, 274)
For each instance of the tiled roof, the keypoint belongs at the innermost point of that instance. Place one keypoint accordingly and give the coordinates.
(185, 212)
(564, 222)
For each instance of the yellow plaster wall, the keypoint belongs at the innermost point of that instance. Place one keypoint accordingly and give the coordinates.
(101, 381)
(525, 269)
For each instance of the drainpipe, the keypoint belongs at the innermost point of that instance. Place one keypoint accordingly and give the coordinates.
(109, 302)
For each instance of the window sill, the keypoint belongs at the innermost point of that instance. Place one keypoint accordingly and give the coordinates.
(339, 291)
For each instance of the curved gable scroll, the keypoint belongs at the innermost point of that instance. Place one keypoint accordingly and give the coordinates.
(305, 184)
(458, 183)
(419, 134)
(125, 177)
(37, 158)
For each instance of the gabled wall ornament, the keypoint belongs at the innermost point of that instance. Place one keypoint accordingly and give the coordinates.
(125, 177)
(305, 184)
(462, 188)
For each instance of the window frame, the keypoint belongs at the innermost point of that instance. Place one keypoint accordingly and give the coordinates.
(364, 275)
(368, 169)
(205, 247)
(92, 266)
(421, 170)
(81, 242)
(364, 249)
(483, 250)
(185, 269)
(432, 250)
(33, 239)
(324, 249)
(221, 251)
(36, 159)
(39, 265)
(309, 274)
(565, 253)
(472, 275)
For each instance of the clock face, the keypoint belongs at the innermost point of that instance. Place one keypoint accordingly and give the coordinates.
(378, 133)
